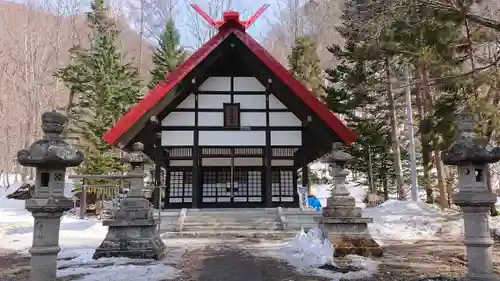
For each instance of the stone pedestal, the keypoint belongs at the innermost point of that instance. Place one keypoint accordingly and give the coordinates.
(341, 220)
(50, 156)
(471, 156)
(133, 232)
(47, 214)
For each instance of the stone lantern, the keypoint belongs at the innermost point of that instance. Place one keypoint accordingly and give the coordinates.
(471, 156)
(341, 221)
(133, 232)
(50, 156)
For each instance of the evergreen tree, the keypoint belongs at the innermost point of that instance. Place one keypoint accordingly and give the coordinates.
(357, 91)
(304, 64)
(104, 87)
(168, 55)
(353, 93)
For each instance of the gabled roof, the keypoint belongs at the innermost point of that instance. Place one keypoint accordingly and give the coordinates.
(232, 26)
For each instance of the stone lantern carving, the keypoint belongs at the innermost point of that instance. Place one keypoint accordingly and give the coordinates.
(133, 232)
(50, 156)
(471, 156)
(341, 221)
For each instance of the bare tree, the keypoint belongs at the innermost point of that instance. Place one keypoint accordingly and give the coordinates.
(197, 27)
(319, 19)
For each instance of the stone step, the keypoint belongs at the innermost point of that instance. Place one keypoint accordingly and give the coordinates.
(228, 222)
(222, 210)
(215, 215)
(230, 228)
(225, 221)
(262, 234)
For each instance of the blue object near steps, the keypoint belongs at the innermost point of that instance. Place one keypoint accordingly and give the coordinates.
(314, 203)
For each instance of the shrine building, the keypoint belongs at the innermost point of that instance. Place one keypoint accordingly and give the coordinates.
(230, 127)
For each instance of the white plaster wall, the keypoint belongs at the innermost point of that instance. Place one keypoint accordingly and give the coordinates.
(251, 101)
(274, 103)
(248, 119)
(210, 119)
(188, 102)
(284, 119)
(213, 101)
(286, 138)
(181, 163)
(179, 119)
(281, 162)
(177, 138)
(229, 138)
(249, 84)
(216, 162)
(216, 84)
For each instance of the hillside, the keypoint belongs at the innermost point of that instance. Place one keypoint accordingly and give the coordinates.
(34, 44)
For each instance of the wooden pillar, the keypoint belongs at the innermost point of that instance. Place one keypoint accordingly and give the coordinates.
(303, 156)
(196, 153)
(268, 153)
(166, 162)
(158, 158)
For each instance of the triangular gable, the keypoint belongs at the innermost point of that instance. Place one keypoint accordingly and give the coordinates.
(113, 135)
(162, 89)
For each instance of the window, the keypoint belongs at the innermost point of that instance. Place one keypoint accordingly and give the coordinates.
(275, 177)
(231, 115)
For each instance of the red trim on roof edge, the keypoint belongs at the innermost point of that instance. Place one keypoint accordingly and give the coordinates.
(163, 88)
(298, 88)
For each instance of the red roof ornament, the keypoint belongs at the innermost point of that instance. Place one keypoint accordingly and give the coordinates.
(231, 25)
(231, 18)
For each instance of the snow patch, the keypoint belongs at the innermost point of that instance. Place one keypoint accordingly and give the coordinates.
(79, 261)
(308, 251)
(410, 221)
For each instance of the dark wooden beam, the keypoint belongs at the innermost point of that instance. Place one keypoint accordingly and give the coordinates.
(268, 154)
(197, 184)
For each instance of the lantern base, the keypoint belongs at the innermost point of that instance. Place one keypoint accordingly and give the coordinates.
(349, 236)
(137, 240)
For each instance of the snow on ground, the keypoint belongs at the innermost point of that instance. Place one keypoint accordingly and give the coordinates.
(79, 261)
(411, 221)
(404, 221)
(407, 221)
(307, 252)
(78, 240)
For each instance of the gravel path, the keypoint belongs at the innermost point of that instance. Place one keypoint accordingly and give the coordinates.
(215, 263)
(422, 261)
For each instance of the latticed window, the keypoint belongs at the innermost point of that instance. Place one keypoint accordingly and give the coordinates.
(231, 115)
(58, 177)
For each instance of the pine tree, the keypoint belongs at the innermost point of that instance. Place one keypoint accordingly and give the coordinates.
(104, 87)
(433, 43)
(168, 55)
(357, 91)
(304, 64)
(351, 93)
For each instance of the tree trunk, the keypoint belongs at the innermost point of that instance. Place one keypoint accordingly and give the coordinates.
(443, 200)
(398, 167)
(425, 143)
(386, 189)
(449, 184)
(493, 209)
(370, 172)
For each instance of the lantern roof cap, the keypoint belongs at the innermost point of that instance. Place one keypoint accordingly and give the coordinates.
(469, 148)
(338, 155)
(51, 151)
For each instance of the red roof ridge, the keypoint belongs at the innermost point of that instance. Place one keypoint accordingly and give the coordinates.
(174, 78)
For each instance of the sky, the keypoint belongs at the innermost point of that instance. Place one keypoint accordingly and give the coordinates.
(246, 9)
(183, 14)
